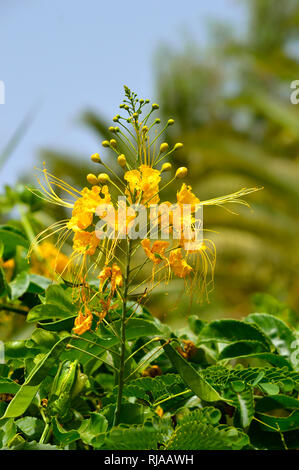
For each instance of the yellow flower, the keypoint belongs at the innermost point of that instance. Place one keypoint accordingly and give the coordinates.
(53, 261)
(85, 207)
(143, 185)
(185, 196)
(114, 274)
(156, 252)
(116, 277)
(8, 267)
(85, 243)
(178, 265)
(83, 322)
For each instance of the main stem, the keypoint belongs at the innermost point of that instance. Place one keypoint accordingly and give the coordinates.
(123, 338)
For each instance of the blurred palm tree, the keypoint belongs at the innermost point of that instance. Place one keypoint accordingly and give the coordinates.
(231, 103)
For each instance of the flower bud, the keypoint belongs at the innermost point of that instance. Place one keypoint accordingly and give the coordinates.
(145, 129)
(116, 118)
(105, 143)
(166, 167)
(92, 179)
(111, 129)
(122, 160)
(113, 143)
(181, 172)
(178, 146)
(96, 158)
(155, 106)
(135, 115)
(103, 178)
(164, 147)
(170, 122)
(157, 121)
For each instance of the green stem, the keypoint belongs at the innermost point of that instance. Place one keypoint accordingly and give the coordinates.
(123, 338)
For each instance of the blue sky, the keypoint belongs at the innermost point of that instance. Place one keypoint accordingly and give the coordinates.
(63, 57)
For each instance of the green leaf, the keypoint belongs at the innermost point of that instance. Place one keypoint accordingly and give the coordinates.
(31, 427)
(47, 312)
(269, 388)
(133, 438)
(273, 359)
(199, 430)
(191, 377)
(28, 390)
(8, 430)
(277, 424)
(92, 431)
(232, 331)
(19, 350)
(280, 335)
(245, 406)
(241, 348)
(38, 284)
(277, 402)
(8, 386)
(19, 285)
(11, 238)
(62, 436)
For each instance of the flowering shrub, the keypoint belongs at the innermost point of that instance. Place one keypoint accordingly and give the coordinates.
(98, 364)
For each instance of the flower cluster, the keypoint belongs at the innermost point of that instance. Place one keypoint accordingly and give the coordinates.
(144, 162)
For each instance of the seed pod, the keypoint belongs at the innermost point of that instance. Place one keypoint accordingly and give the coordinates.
(181, 172)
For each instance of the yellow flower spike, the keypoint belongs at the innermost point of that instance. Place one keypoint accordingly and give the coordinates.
(166, 167)
(92, 179)
(181, 172)
(105, 143)
(103, 178)
(113, 143)
(96, 158)
(178, 146)
(121, 160)
(164, 147)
